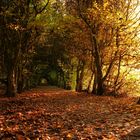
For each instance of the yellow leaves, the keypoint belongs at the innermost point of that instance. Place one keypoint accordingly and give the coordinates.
(105, 5)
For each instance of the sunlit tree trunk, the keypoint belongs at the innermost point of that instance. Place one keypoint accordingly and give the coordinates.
(94, 89)
(90, 82)
(117, 76)
(119, 62)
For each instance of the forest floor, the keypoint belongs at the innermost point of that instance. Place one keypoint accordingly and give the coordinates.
(48, 113)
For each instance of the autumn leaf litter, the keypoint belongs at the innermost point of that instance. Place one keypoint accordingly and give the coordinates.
(47, 113)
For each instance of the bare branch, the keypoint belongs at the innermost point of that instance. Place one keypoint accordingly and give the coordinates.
(42, 9)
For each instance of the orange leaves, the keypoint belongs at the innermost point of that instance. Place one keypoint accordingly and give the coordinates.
(20, 137)
(52, 113)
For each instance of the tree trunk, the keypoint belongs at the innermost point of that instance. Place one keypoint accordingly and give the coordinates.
(98, 68)
(78, 80)
(80, 75)
(100, 88)
(138, 102)
(94, 90)
(11, 84)
(90, 82)
(95, 52)
(20, 80)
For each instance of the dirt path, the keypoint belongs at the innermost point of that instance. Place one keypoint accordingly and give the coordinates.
(50, 113)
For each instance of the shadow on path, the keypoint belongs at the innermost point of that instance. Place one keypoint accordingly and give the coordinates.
(133, 135)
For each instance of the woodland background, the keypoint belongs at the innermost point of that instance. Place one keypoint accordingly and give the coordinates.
(90, 49)
(80, 45)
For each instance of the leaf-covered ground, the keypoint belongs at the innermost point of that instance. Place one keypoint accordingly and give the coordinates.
(56, 114)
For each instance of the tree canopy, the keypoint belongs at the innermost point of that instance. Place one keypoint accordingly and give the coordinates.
(82, 45)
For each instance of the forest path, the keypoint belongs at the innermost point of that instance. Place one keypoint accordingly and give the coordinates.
(51, 113)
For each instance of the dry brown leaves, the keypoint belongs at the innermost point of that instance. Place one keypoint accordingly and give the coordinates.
(53, 114)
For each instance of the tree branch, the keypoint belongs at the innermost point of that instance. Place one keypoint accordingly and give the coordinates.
(41, 10)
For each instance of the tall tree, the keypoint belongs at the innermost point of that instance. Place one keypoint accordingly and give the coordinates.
(107, 23)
